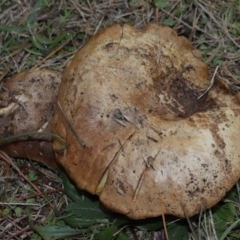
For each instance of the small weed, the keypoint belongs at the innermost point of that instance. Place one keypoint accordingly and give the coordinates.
(36, 237)
(31, 200)
(160, 3)
(169, 22)
(32, 176)
(6, 211)
(18, 211)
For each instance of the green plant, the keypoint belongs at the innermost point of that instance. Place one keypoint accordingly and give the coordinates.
(32, 176)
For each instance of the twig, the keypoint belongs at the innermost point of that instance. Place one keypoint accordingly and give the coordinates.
(163, 216)
(211, 84)
(212, 224)
(3, 75)
(27, 134)
(39, 194)
(71, 127)
(98, 26)
(19, 233)
(7, 159)
(184, 23)
(218, 24)
(164, 223)
(188, 220)
(199, 223)
(20, 204)
(10, 225)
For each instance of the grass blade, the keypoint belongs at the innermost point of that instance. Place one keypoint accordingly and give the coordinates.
(229, 229)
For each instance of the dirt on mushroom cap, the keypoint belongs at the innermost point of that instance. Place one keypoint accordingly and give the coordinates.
(139, 132)
(27, 103)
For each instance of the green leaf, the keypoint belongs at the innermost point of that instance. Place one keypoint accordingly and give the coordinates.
(169, 22)
(37, 44)
(179, 11)
(203, 47)
(86, 209)
(230, 13)
(219, 225)
(33, 52)
(47, 3)
(149, 224)
(106, 234)
(134, 3)
(11, 28)
(69, 188)
(76, 222)
(237, 24)
(229, 229)
(60, 38)
(160, 3)
(217, 60)
(10, 42)
(35, 237)
(32, 176)
(226, 212)
(31, 200)
(18, 211)
(178, 230)
(39, 5)
(235, 235)
(80, 36)
(123, 237)
(6, 211)
(201, 40)
(54, 232)
(42, 39)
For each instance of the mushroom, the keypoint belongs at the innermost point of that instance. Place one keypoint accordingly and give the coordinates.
(27, 103)
(143, 131)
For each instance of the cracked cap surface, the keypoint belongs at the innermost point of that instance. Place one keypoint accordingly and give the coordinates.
(139, 132)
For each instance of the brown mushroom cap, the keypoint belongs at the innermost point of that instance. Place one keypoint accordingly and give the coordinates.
(27, 103)
(141, 132)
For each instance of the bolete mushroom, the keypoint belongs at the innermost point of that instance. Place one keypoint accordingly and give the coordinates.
(142, 130)
(27, 103)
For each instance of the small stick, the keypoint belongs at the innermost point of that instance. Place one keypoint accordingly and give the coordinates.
(39, 194)
(20, 204)
(71, 127)
(19, 233)
(98, 26)
(7, 159)
(164, 222)
(188, 220)
(211, 84)
(163, 216)
(3, 75)
(118, 121)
